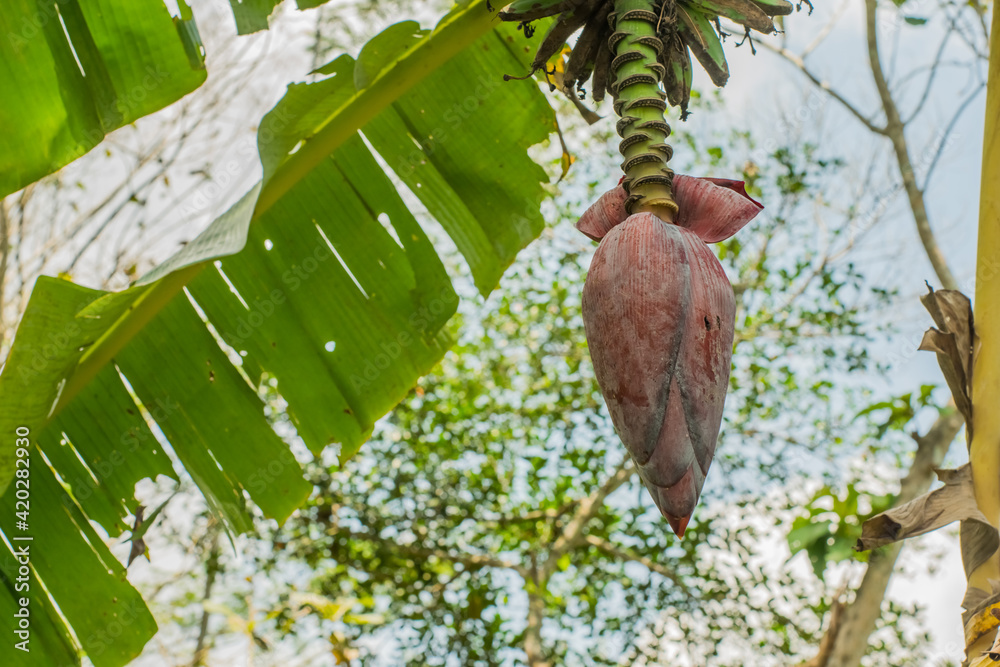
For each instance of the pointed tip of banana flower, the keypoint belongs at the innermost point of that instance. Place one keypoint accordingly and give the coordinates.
(679, 524)
(712, 208)
(677, 501)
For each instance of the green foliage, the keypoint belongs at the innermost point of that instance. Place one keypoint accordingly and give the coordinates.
(898, 411)
(83, 69)
(252, 15)
(832, 525)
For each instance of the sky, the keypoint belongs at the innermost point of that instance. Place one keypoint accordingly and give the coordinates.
(758, 86)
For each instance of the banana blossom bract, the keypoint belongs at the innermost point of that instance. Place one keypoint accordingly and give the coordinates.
(659, 315)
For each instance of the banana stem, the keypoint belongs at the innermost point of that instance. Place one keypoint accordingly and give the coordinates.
(984, 450)
(641, 104)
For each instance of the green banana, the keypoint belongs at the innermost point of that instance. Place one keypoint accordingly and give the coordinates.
(775, 7)
(744, 12)
(677, 81)
(583, 58)
(532, 10)
(700, 36)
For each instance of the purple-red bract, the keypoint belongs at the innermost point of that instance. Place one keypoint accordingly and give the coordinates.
(659, 316)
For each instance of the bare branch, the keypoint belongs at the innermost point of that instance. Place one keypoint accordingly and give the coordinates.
(930, 78)
(824, 32)
(573, 534)
(537, 515)
(164, 165)
(19, 261)
(823, 85)
(212, 569)
(468, 559)
(895, 130)
(970, 41)
(943, 142)
(624, 554)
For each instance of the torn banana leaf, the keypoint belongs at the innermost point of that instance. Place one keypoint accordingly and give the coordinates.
(955, 501)
(953, 341)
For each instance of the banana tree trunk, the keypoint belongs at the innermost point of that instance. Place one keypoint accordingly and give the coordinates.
(984, 452)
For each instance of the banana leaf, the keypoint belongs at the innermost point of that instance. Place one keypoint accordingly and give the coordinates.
(320, 282)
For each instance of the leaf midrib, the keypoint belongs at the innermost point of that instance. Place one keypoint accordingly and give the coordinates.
(450, 38)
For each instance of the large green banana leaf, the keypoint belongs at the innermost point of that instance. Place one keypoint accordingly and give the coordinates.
(319, 279)
(79, 69)
(71, 71)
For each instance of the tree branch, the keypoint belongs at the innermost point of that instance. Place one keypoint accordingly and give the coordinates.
(857, 622)
(895, 130)
(947, 133)
(824, 32)
(211, 571)
(622, 553)
(823, 85)
(573, 534)
(822, 658)
(533, 647)
(537, 515)
(930, 78)
(471, 560)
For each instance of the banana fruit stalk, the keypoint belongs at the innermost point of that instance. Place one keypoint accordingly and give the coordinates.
(659, 315)
(682, 28)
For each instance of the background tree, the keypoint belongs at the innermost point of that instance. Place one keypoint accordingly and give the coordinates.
(492, 512)
(86, 341)
(905, 99)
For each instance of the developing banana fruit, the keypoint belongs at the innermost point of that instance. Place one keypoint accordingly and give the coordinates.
(685, 27)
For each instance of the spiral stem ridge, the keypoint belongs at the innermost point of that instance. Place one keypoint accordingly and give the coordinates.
(640, 103)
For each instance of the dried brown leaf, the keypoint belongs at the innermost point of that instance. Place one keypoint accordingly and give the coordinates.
(955, 501)
(953, 341)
